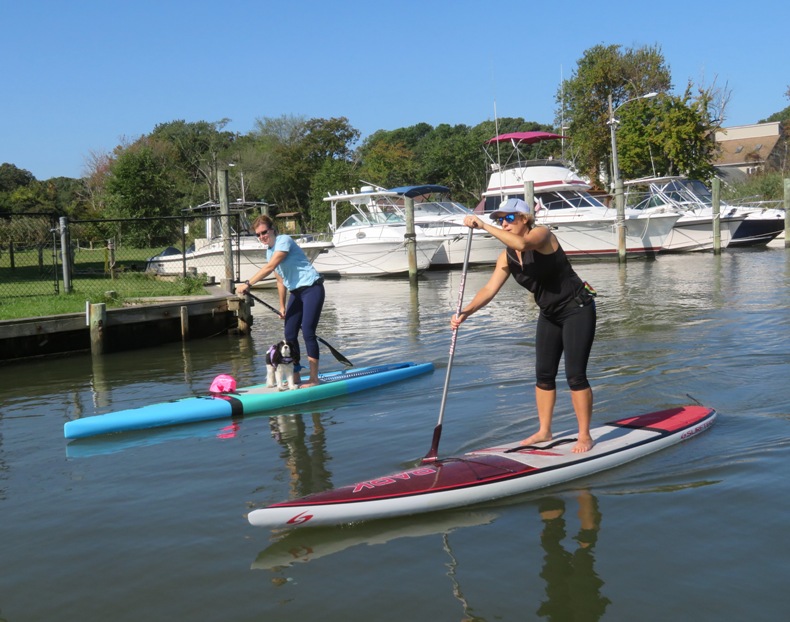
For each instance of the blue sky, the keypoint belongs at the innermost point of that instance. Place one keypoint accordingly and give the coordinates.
(81, 75)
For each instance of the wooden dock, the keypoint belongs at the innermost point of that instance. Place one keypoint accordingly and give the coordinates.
(149, 322)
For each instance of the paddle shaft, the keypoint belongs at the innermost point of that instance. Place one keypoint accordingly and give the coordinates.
(334, 352)
(437, 431)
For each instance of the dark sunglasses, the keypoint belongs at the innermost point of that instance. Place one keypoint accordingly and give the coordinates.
(260, 234)
(510, 218)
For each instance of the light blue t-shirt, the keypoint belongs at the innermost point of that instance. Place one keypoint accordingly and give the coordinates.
(295, 270)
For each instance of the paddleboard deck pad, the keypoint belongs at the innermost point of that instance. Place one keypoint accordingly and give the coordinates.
(489, 474)
(245, 401)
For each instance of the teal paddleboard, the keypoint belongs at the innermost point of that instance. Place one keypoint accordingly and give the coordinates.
(245, 401)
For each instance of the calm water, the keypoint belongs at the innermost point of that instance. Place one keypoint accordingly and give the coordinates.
(151, 525)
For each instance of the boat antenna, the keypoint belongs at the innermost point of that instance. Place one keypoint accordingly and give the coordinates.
(562, 113)
(496, 133)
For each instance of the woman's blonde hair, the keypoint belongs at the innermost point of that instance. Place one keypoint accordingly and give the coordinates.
(530, 220)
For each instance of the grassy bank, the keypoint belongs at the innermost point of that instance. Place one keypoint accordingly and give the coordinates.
(31, 281)
(115, 294)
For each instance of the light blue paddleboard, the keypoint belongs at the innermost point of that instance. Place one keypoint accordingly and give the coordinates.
(245, 401)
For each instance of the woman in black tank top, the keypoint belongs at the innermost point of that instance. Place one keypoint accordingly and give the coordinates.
(566, 323)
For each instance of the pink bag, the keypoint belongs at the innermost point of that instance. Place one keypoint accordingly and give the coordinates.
(223, 384)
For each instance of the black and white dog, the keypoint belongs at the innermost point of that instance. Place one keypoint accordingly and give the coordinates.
(280, 366)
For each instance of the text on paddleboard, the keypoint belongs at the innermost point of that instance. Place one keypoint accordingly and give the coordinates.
(391, 479)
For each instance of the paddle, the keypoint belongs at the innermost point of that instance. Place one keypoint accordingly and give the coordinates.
(334, 352)
(437, 431)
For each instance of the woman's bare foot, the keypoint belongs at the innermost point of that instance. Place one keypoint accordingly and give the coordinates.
(538, 437)
(582, 445)
(309, 383)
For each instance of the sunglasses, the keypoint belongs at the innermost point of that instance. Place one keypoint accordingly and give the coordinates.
(510, 218)
(260, 234)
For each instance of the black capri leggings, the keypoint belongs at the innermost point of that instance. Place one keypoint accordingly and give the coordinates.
(571, 331)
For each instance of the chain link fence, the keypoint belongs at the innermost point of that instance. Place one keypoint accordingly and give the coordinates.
(134, 257)
(29, 264)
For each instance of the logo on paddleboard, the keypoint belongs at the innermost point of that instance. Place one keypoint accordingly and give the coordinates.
(391, 479)
(299, 519)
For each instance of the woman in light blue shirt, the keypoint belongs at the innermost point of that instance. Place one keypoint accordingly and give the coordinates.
(294, 274)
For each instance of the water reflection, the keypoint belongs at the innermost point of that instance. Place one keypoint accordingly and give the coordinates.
(304, 545)
(305, 456)
(458, 594)
(573, 588)
(106, 444)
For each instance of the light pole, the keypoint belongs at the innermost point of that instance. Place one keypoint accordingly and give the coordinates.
(241, 176)
(618, 183)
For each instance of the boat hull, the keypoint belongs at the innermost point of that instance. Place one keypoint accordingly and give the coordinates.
(695, 233)
(597, 237)
(245, 401)
(489, 474)
(756, 230)
(374, 257)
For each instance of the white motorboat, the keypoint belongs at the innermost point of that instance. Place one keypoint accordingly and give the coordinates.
(584, 226)
(764, 222)
(207, 254)
(371, 241)
(439, 216)
(694, 230)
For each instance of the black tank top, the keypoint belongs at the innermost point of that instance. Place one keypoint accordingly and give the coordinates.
(551, 278)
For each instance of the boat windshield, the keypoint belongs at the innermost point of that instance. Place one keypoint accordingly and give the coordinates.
(443, 208)
(687, 191)
(643, 200)
(372, 218)
(565, 199)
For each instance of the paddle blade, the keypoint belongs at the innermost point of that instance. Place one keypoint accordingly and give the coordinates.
(431, 456)
(336, 354)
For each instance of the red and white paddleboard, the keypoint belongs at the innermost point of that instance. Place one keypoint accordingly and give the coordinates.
(488, 474)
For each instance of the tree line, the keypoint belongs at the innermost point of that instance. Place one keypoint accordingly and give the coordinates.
(292, 162)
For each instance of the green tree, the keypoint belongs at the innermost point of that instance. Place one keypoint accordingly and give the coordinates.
(12, 177)
(583, 99)
(292, 150)
(679, 138)
(200, 150)
(29, 199)
(142, 186)
(335, 175)
(387, 162)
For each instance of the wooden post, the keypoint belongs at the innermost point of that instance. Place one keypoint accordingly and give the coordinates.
(97, 319)
(244, 317)
(65, 253)
(411, 239)
(619, 202)
(227, 246)
(184, 323)
(529, 195)
(716, 204)
(787, 213)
